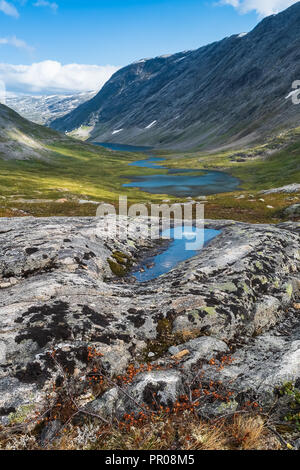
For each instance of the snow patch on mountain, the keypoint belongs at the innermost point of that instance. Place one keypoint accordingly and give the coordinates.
(151, 125)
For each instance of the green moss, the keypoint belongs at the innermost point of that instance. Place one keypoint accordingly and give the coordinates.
(259, 265)
(292, 418)
(164, 327)
(164, 340)
(121, 258)
(246, 289)
(277, 284)
(116, 268)
(289, 290)
(289, 389)
(21, 414)
(210, 310)
(121, 263)
(260, 279)
(227, 406)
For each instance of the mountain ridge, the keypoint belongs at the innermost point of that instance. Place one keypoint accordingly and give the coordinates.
(42, 109)
(230, 92)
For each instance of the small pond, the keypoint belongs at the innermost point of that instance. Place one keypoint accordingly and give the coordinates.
(176, 182)
(176, 252)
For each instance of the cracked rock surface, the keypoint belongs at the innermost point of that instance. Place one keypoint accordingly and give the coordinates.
(57, 291)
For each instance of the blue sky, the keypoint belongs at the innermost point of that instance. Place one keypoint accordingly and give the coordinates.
(113, 32)
(117, 31)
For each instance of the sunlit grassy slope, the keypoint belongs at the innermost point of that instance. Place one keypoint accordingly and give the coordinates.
(39, 163)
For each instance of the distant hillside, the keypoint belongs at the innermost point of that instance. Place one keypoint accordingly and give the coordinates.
(230, 92)
(40, 164)
(43, 109)
(21, 139)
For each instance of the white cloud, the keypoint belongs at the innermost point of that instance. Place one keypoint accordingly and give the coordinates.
(15, 42)
(262, 7)
(9, 9)
(44, 3)
(53, 77)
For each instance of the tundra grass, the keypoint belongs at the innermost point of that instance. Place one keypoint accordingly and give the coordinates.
(255, 173)
(74, 171)
(259, 168)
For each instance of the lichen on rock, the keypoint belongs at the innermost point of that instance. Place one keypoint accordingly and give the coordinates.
(58, 292)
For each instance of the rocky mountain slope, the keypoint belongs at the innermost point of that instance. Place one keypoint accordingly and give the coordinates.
(229, 92)
(45, 108)
(238, 298)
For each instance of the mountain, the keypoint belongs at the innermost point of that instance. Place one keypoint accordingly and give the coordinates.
(44, 108)
(232, 92)
(23, 140)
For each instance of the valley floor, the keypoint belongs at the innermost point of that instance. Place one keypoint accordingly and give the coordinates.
(75, 172)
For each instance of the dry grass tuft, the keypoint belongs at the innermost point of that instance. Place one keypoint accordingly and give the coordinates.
(185, 431)
(248, 431)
